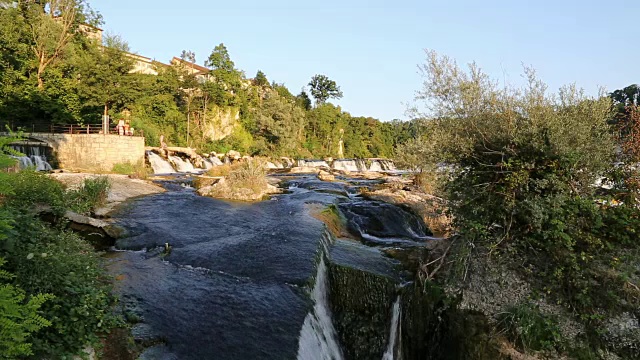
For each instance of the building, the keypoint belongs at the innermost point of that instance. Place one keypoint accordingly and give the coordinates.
(201, 73)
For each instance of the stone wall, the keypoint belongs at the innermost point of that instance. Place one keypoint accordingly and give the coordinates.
(93, 152)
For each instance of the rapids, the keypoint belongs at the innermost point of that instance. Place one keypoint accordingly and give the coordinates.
(211, 279)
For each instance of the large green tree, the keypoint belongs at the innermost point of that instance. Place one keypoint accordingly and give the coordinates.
(322, 88)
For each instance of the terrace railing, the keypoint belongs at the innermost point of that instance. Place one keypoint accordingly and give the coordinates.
(61, 128)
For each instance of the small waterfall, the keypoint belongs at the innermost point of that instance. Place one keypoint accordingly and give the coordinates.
(346, 165)
(215, 161)
(394, 348)
(34, 157)
(41, 163)
(379, 165)
(207, 164)
(159, 165)
(182, 165)
(388, 165)
(318, 338)
(361, 164)
(312, 163)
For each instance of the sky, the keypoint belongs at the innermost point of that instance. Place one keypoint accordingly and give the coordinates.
(372, 48)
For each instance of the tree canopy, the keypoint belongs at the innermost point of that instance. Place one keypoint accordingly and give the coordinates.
(322, 89)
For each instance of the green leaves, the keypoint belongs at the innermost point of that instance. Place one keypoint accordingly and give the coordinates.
(323, 88)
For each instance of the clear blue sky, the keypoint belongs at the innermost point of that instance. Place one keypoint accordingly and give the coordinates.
(371, 48)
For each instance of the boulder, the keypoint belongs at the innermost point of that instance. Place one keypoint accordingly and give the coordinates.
(326, 176)
(235, 155)
(304, 170)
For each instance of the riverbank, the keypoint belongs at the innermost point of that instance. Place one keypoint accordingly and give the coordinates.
(122, 188)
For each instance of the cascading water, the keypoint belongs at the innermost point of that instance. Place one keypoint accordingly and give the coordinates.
(394, 348)
(34, 157)
(318, 338)
(379, 165)
(215, 161)
(182, 165)
(312, 163)
(159, 165)
(351, 165)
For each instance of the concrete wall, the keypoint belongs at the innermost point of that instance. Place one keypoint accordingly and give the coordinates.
(93, 152)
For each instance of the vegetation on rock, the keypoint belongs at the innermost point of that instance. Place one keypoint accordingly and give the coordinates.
(518, 170)
(54, 296)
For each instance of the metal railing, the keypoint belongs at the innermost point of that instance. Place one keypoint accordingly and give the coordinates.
(63, 128)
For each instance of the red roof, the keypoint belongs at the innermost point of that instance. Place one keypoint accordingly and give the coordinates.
(191, 65)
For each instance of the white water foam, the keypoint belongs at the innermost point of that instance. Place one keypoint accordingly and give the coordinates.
(394, 348)
(159, 165)
(182, 165)
(318, 339)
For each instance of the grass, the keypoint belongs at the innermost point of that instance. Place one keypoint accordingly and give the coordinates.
(245, 180)
(137, 171)
(527, 327)
(89, 196)
(331, 216)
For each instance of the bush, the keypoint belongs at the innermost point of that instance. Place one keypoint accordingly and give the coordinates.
(245, 180)
(530, 329)
(91, 195)
(522, 168)
(19, 319)
(28, 188)
(48, 261)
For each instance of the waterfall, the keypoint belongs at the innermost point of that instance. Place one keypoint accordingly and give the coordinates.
(388, 165)
(312, 163)
(348, 165)
(182, 165)
(41, 163)
(159, 165)
(375, 166)
(34, 157)
(318, 338)
(215, 161)
(394, 348)
(379, 165)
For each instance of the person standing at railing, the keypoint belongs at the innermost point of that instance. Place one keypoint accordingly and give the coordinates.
(120, 128)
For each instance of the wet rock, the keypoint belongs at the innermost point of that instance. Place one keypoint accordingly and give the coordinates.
(304, 170)
(326, 176)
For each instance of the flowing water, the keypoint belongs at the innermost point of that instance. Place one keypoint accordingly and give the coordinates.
(182, 165)
(34, 157)
(313, 163)
(159, 165)
(227, 280)
(318, 338)
(394, 350)
(351, 165)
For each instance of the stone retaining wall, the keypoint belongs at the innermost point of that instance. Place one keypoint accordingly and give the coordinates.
(93, 152)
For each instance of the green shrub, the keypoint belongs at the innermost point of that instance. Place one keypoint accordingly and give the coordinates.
(530, 329)
(27, 188)
(19, 319)
(522, 168)
(48, 261)
(89, 196)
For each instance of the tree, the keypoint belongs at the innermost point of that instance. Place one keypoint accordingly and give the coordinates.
(220, 59)
(281, 123)
(104, 78)
(260, 79)
(303, 100)
(322, 89)
(190, 84)
(53, 31)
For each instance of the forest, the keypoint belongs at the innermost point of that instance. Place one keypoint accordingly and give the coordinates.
(53, 72)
